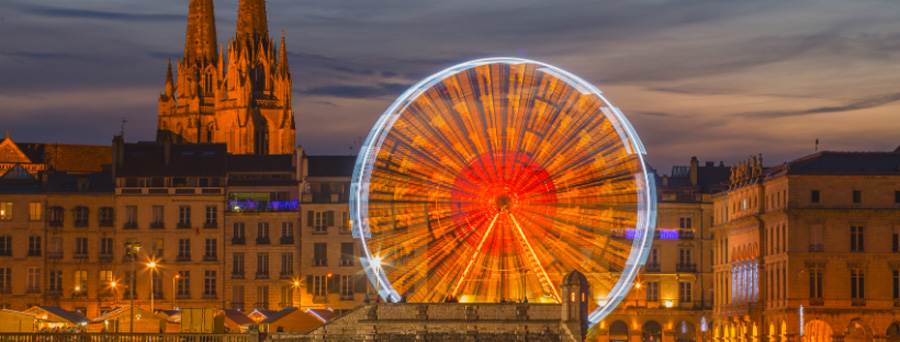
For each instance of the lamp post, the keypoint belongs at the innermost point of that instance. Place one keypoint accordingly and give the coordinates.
(152, 266)
(132, 248)
(176, 277)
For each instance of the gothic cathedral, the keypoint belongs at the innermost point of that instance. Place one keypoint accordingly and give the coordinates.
(245, 101)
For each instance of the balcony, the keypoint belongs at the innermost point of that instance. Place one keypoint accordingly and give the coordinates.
(237, 305)
(106, 223)
(686, 267)
(184, 224)
(858, 302)
(184, 257)
(320, 262)
(81, 223)
(6, 289)
(262, 241)
(210, 296)
(83, 256)
(686, 234)
(237, 275)
(816, 247)
(897, 303)
(287, 240)
(285, 275)
(651, 268)
(6, 252)
(34, 253)
(210, 258)
(816, 302)
(106, 257)
(262, 275)
(262, 206)
(261, 305)
(55, 223)
(238, 241)
(346, 262)
(210, 224)
(157, 225)
(130, 225)
(183, 295)
(55, 255)
(739, 309)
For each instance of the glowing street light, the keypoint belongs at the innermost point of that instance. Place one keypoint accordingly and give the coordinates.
(132, 248)
(174, 278)
(152, 266)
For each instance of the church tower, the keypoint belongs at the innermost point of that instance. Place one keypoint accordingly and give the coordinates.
(244, 102)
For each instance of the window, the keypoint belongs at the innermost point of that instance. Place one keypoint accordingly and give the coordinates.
(237, 298)
(237, 238)
(211, 254)
(815, 282)
(262, 265)
(652, 291)
(857, 196)
(81, 248)
(857, 284)
(80, 282)
(81, 216)
(6, 245)
(54, 284)
(212, 217)
(895, 242)
(684, 256)
(262, 297)
(56, 216)
(262, 233)
(685, 223)
(346, 254)
(184, 216)
(34, 211)
(131, 217)
(184, 284)
(34, 280)
(209, 283)
(653, 259)
(159, 217)
(896, 288)
(287, 232)
(184, 249)
(106, 217)
(685, 292)
(5, 211)
(34, 246)
(816, 238)
(345, 222)
(237, 268)
(287, 265)
(106, 278)
(856, 239)
(5, 280)
(319, 285)
(320, 220)
(158, 248)
(320, 254)
(287, 296)
(897, 196)
(814, 196)
(106, 247)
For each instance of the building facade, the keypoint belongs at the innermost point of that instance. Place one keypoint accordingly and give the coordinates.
(241, 97)
(808, 250)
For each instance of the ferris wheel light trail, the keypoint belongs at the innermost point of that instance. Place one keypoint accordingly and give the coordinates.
(475, 256)
(542, 273)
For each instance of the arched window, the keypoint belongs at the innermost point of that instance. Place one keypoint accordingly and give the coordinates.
(618, 332)
(651, 331)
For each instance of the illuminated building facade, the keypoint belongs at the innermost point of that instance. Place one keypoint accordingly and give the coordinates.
(241, 97)
(808, 250)
(672, 297)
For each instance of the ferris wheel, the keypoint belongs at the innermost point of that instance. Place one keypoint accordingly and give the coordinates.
(493, 179)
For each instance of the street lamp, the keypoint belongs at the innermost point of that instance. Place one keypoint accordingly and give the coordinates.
(152, 266)
(176, 277)
(132, 248)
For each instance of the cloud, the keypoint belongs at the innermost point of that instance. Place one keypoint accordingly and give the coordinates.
(358, 91)
(45, 56)
(69, 13)
(864, 103)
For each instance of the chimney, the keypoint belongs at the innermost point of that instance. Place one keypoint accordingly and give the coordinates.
(694, 165)
(118, 151)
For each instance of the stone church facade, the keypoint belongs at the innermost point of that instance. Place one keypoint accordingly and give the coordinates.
(240, 96)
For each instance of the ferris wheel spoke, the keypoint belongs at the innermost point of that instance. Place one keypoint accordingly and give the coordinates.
(534, 262)
(465, 273)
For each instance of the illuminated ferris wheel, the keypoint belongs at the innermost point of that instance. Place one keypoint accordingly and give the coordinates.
(495, 178)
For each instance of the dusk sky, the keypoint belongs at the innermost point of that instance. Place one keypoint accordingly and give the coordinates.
(719, 80)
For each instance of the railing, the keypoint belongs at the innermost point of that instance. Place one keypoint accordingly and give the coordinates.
(157, 225)
(211, 224)
(816, 247)
(106, 223)
(262, 275)
(210, 258)
(130, 225)
(55, 254)
(651, 268)
(287, 240)
(816, 302)
(237, 275)
(121, 337)
(184, 224)
(81, 223)
(685, 267)
(238, 241)
(858, 302)
(183, 257)
(262, 241)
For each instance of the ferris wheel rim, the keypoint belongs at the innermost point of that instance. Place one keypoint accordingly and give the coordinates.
(359, 191)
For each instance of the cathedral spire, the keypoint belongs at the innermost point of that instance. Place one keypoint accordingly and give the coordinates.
(252, 23)
(200, 40)
(282, 57)
(170, 83)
